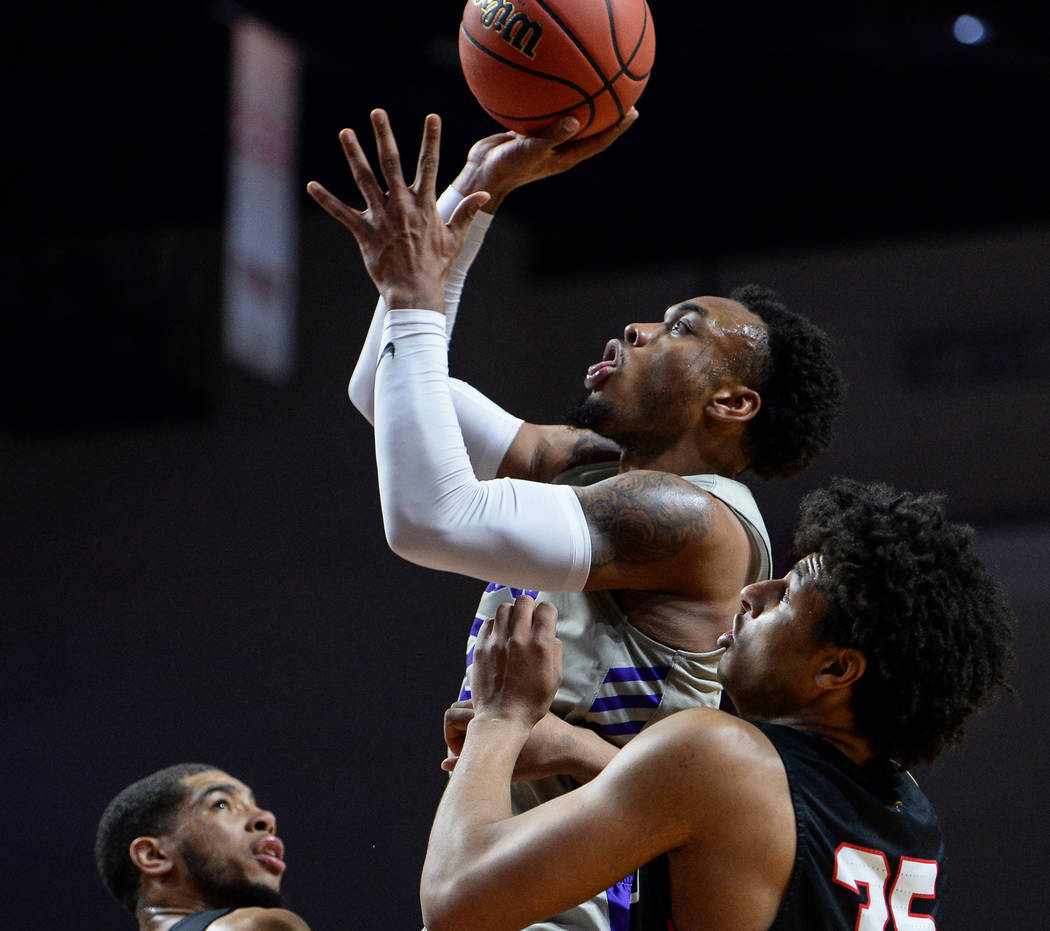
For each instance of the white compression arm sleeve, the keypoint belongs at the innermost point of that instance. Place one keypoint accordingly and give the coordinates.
(488, 430)
(436, 511)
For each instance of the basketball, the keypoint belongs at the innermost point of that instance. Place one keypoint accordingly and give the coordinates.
(531, 62)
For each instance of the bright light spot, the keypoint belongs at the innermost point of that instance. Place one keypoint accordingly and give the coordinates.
(969, 30)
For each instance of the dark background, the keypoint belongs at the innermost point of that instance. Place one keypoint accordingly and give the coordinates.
(192, 560)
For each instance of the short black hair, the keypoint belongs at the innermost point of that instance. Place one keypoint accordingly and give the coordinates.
(144, 808)
(800, 386)
(905, 587)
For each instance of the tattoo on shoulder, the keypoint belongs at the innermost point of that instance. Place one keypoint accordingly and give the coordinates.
(641, 517)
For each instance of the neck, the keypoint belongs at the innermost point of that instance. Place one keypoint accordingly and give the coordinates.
(158, 912)
(682, 461)
(852, 745)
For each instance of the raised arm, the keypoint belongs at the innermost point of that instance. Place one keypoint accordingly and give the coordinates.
(436, 511)
(498, 164)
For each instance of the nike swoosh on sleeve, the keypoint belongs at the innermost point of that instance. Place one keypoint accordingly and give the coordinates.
(388, 350)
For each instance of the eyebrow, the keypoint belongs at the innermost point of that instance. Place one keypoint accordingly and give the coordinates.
(689, 307)
(228, 787)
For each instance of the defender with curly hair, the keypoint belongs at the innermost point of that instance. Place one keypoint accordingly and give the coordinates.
(869, 655)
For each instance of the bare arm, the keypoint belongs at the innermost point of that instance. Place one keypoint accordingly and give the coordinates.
(554, 747)
(688, 785)
(541, 452)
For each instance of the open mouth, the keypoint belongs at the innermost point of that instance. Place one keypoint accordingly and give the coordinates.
(727, 638)
(598, 372)
(269, 851)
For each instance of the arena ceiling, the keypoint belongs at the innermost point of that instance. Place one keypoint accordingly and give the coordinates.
(762, 126)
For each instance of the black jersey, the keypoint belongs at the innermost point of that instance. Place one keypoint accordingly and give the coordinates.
(198, 921)
(869, 845)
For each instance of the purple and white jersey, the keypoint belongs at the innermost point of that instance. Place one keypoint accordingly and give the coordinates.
(617, 680)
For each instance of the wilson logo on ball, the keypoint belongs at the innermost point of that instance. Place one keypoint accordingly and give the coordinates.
(592, 63)
(514, 27)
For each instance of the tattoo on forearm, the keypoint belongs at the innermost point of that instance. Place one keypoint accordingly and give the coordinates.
(644, 517)
(590, 447)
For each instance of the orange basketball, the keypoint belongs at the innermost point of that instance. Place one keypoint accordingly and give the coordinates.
(531, 62)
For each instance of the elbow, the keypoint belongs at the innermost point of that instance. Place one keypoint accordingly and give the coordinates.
(361, 396)
(412, 539)
(442, 909)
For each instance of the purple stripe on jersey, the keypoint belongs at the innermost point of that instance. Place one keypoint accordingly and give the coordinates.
(493, 587)
(619, 897)
(635, 674)
(625, 701)
(476, 626)
(464, 694)
(614, 730)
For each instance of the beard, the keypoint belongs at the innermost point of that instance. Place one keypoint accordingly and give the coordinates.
(214, 882)
(589, 413)
(602, 418)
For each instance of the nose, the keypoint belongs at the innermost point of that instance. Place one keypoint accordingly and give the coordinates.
(747, 599)
(755, 596)
(264, 821)
(638, 334)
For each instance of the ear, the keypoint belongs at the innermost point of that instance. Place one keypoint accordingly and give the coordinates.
(150, 857)
(733, 404)
(840, 667)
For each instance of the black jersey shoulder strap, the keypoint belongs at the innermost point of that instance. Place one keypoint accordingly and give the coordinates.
(198, 921)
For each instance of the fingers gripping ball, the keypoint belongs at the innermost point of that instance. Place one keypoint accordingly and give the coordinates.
(531, 62)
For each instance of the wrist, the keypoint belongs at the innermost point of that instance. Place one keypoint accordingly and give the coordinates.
(472, 179)
(588, 755)
(500, 723)
(426, 296)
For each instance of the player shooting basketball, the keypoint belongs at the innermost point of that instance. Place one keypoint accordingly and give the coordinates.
(643, 566)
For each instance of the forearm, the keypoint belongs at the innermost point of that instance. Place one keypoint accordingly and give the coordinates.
(436, 511)
(465, 829)
(585, 754)
(558, 748)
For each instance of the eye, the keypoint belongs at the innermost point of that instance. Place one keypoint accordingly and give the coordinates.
(221, 804)
(677, 328)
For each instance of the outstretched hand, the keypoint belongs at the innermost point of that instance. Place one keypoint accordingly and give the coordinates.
(517, 662)
(407, 249)
(500, 163)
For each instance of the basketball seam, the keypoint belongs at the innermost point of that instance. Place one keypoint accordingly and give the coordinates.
(588, 99)
(616, 44)
(606, 83)
(513, 64)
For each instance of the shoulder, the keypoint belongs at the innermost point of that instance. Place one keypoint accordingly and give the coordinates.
(708, 731)
(260, 919)
(667, 497)
(642, 519)
(712, 752)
